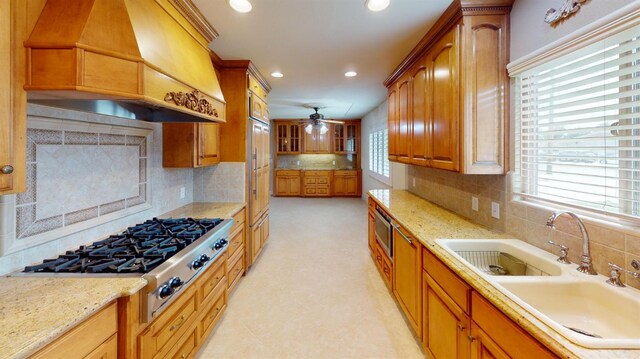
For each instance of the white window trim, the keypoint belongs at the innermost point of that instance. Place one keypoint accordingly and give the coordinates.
(375, 175)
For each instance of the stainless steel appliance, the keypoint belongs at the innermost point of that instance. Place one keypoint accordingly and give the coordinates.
(168, 253)
(384, 231)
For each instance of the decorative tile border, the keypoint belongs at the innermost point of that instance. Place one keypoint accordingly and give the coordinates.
(30, 230)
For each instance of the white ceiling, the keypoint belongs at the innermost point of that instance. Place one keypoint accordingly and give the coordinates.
(314, 42)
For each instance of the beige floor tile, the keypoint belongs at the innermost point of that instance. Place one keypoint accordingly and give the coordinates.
(314, 292)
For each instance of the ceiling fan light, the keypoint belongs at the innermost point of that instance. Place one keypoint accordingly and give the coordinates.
(240, 5)
(308, 128)
(377, 5)
(323, 129)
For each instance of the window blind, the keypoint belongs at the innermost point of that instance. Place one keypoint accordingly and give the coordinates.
(379, 153)
(578, 127)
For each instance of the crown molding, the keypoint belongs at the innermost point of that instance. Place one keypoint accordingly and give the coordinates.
(195, 18)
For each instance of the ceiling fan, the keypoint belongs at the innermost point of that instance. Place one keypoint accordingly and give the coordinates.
(318, 118)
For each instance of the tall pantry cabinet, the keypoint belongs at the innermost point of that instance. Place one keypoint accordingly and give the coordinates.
(245, 137)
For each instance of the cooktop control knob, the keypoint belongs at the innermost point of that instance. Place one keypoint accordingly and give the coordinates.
(175, 282)
(196, 264)
(218, 245)
(204, 258)
(223, 241)
(165, 291)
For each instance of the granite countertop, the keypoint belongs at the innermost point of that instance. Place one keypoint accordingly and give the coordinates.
(296, 168)
(34, 311)
(427, 222)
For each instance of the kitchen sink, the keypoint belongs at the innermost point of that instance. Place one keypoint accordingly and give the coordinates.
(588, 312)
(582, 308)
(503, 257)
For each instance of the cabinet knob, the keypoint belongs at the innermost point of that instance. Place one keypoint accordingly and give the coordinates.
(461, 327)
(8, 169)
(471, 339)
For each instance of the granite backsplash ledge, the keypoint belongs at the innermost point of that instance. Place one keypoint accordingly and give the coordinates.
(318, 161)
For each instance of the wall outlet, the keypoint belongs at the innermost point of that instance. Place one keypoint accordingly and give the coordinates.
(413, 182)
(297, 163)
(183, 192)
(495, 210)
(333, 162)
(474, 203)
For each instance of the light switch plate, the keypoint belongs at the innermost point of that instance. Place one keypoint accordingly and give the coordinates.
(474, 203)
(183, 192)
(495, 210)
(413, 183)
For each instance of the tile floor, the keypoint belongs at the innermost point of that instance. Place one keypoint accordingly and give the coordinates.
(314, 292)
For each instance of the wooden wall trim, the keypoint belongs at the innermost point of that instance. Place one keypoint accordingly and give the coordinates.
(195, 18)
(450, 17)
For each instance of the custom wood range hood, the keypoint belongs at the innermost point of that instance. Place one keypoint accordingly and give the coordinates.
(142, 59)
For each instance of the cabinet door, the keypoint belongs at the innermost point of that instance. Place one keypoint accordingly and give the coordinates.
(372, 232)
(282, 138)
(323, 138)
(256, 148)
(407, 275)
(256, 241)
(351, 138)
(338, 138)
(310, 140)
(294, 138)
(404, 111)
(264, 228)
(282, 185)
(208, 144)
(482, 347)
(294, 185)
(107, 350)
(392, 122)
(420, 125)
(446, 326)
(339, 185)
(351, 185)
(443, 68)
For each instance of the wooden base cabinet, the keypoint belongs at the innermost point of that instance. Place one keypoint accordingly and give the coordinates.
(96, 337)
(259, 236)
(347, 183)
(287, 183)
(407, 275)
(316, 183)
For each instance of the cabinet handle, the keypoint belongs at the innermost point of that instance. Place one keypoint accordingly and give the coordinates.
(7, 170)
(461, 327)
(471, 339)
(177, 325)
(183, 356)
(386, 270)
(402, 234)
(214, 314)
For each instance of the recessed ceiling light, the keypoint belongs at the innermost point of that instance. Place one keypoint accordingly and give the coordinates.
(377, 5)
(277, 74)
(240, 5)
(350, 74)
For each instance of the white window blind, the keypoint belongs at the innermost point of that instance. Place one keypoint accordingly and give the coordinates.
(578, 127)
(379, 153)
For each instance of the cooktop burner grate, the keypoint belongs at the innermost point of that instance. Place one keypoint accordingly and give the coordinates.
(138, 249)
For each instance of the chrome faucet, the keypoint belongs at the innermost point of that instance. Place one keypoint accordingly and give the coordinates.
(585, 260)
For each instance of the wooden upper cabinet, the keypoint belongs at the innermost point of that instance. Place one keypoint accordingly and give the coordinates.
(316, 140)
(461, 123)
(485, 79)
(346, 137)
(421, 149)
(404, 111)
(443, 67)
(188, 145)
(287, 137)
(208, 144)
(392, 122)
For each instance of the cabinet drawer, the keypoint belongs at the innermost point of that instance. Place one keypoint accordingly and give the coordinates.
(323, 180)
(504, 332)
(212, 315)
(318, 173)
(256, 88)
(322, 190)
(186, 347)
(310, 180)
(386, 271)
(309, 191)
(236, 243)
(169, 326)
(341, 173)
(85, 338)
(455, 287)
(238, 220)
(287, 173)
(107, 350)
(210, 280)
(236, 268)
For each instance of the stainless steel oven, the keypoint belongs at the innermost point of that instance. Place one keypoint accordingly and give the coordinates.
(384, 231)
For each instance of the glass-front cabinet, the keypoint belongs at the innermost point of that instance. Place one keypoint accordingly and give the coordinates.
(287, 138)
(345, 138)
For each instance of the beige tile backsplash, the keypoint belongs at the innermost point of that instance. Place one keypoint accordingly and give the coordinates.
(323, 161)
(610, 242)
